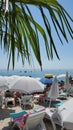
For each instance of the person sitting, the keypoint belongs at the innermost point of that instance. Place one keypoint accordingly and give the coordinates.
(16, 95)
(9, 98)
(8, 93)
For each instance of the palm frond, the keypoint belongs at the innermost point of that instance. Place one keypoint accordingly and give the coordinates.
(19, 31)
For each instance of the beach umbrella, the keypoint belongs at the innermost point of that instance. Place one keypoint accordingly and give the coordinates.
(53, 93)
(3, 83)
(61, 76)
(28, 85)
(46, 81)
(12, 79)
(67, 84)
(54, 90)
(48, 76)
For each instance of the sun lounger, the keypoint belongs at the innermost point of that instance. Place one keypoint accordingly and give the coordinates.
(17, 119)
(64, 115)
(48, 115)
(39, 109)
(58, 104)
(25, 121)
(17, 114)
(9, 99)
(35, 120)
(26, 100)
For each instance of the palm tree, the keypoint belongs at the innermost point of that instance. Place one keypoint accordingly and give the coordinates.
(19, 31)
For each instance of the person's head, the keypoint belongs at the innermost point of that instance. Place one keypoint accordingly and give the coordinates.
(15, 127)
(8, 90)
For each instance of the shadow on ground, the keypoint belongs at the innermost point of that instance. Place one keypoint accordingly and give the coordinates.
(5, 113)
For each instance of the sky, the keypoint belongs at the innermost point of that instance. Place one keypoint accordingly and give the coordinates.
(65, 51)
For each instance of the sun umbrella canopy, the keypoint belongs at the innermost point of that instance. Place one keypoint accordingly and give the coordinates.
(28, 85)
(61, 76)
(67, 84)
(48, 76)
(3, 83)
(46, 80)
(12, 79)
(54, 91)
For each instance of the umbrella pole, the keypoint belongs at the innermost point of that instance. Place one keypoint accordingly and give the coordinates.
(50, 103)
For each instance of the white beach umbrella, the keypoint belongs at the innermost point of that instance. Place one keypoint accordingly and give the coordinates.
(67, 84)
(61, 76)
(3, 83)
(27, 85)
(54, 90)
(12, 79)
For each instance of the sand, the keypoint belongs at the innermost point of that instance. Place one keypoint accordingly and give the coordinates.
(5, 118)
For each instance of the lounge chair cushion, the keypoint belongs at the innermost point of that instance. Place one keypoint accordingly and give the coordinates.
(18, 114)
(58, 104)
(39, 109)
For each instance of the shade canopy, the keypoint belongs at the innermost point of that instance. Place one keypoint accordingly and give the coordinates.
(27, 85)
(67, 84)
(12, 79)
(48, 76)
(46, 80)
(61, 76)
(3, 83)
(54, 90)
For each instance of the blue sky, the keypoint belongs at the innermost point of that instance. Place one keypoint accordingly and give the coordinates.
(65, 51)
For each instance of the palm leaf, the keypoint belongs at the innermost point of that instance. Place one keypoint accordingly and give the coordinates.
(19, 31)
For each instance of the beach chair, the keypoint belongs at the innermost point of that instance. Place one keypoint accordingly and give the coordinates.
(9, 99)
(26, 100)
(48, 115)
(17, 119)
(24, 121)
(63, 115)
(35, 121)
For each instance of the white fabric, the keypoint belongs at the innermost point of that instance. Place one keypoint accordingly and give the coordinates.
(67, 84)
(48, 115)
(34, 121)
(65, 113)
(27, 100)
(11, 80)
(28, 85)
(54, 91)
(3, 83)
(61, 76)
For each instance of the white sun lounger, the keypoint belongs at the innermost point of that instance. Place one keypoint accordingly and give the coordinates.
(64, 115)
(9, 99)
(31, 121)
(35, 120)
(26, 100)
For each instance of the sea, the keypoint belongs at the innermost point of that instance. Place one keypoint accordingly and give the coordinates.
(36, 73)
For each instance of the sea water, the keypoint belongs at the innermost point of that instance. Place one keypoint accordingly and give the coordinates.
(35, 72)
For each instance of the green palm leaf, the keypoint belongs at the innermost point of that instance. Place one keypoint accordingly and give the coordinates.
(19, 31)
